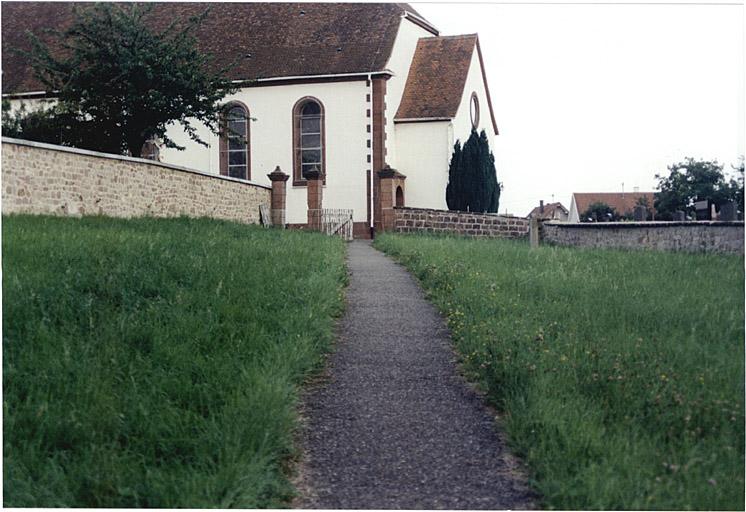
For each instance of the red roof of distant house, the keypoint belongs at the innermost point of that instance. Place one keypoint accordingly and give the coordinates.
(269, 39)
(549, 209)
(622, 202)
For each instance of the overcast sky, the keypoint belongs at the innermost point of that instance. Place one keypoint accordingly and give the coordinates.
(588, 97)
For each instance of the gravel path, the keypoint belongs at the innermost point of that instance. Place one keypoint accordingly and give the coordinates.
(394, 425)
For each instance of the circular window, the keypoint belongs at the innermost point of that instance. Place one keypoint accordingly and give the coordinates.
(474, 110)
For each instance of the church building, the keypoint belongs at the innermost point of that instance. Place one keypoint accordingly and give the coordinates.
(347, 89)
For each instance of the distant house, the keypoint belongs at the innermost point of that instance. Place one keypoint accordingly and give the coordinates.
(623, 202)
(551, 211)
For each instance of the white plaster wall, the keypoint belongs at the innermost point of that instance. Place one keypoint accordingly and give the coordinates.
(424, 153)
(399, 62)
(462, 121)
(271, 143)
(574, 216)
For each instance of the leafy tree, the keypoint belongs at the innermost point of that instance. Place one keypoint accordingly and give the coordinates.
(695, 180)
(600, 212)
(472, 179)
(735, 185)
(119, 84)
(43, 124)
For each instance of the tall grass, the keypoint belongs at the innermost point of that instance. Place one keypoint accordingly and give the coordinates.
(620, 374)
(155, 363)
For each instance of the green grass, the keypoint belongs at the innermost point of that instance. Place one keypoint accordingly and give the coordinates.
(156, 363)
(620, 374)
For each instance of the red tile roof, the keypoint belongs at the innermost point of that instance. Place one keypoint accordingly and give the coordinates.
(437, 76)
(271, 39)
(549, 209)
(621, 202)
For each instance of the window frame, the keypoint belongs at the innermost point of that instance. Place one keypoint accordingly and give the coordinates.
(474, 116)
(298, 179)
(224, 137)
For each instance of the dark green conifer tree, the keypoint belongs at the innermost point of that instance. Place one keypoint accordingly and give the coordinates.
(453, 192)
(472, 180)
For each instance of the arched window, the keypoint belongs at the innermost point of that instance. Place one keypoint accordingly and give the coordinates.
(308, 139)
(235, 157)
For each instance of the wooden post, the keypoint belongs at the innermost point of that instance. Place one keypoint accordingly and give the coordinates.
(279, 194)
(534, 232)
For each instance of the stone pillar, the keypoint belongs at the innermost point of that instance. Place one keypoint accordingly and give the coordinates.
(315, 193)
(390, 179)
(279, 194)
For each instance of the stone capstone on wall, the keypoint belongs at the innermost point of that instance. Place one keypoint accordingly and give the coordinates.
(413, 220)
(702, 236)
(47, 179)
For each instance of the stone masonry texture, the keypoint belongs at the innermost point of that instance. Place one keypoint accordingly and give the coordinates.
(413, 220)
(665, 236)
(43, 179)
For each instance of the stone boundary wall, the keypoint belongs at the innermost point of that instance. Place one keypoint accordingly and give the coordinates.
(701, 236)
(413, 220)
(48, 179)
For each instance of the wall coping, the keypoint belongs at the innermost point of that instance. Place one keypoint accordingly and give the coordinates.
(650, 224)
(110, 156)
(458, 212)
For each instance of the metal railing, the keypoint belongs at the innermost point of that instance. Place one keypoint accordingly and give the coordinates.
(337, 222)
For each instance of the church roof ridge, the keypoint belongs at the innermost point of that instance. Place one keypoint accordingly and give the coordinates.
(283, 39)
(457, 36)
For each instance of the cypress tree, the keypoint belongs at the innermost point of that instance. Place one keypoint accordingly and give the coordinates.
(472, 181)
(453, 191)
(472, 174)
(492, 187)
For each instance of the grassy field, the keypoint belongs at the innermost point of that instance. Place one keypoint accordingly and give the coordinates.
(620, 374)
(155, 363)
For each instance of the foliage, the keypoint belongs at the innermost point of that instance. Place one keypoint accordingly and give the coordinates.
(454, 189)
(620, 375)
(44, 124)
(600, 212)
(156, 362)
(119, 84)
(735, 185)
(695, 180)
(472, 179)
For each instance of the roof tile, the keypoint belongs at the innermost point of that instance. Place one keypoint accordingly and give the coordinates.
(549, 209)
(437, 77)
(283, 39)
(622, 202)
